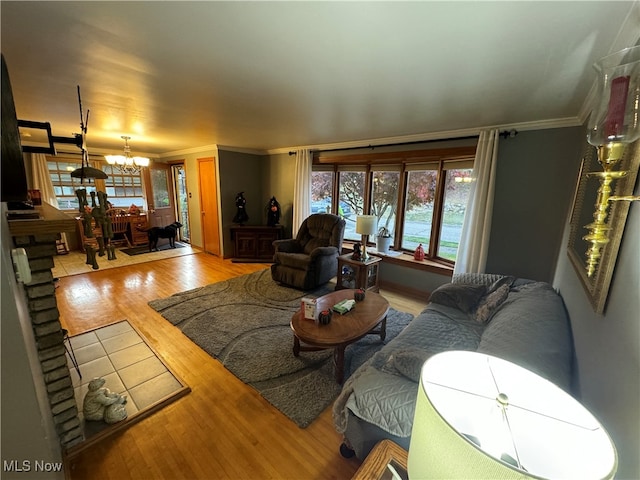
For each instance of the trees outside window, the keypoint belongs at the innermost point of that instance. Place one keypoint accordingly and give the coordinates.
(384, 198)
(419, 204)
(351, 188)
(420, 197)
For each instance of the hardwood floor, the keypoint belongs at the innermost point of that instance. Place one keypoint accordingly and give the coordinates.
(223, 428)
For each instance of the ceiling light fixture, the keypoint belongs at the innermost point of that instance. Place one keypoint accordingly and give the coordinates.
(126, 163)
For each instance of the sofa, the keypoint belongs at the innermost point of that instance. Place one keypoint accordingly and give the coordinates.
(520, 320)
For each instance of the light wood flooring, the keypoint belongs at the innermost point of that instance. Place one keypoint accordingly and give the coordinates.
(223, 428)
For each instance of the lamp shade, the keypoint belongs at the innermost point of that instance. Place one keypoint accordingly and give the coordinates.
(479, 416)
(366, 224)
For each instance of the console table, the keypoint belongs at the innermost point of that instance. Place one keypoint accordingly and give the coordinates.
(254, 243)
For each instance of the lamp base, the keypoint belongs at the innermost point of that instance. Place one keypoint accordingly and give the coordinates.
(365, 255)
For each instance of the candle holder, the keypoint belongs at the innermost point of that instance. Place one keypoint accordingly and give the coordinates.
(614, 123)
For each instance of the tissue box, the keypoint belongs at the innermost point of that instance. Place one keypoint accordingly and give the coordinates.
(309, 308)
(344, 306)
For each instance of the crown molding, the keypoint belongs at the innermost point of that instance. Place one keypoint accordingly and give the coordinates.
(250, 151)
(188, 151)
(441, 135)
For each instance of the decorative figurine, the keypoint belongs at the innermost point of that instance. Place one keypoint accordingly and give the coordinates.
(101, 404)
(419, 253)
(324, 318)
(241, 212)
(357, 251)
(273, 212)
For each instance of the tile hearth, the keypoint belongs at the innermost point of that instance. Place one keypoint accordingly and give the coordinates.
(129, 366)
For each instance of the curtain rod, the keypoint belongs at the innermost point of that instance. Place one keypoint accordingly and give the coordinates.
(505, 134)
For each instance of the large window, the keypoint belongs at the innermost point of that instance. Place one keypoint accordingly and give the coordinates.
(64, 185)
(420, 197)
(351, 188)
(122, 189)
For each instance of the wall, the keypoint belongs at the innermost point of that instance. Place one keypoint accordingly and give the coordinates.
(241, 172)
(535, 183)
(279, 181)
(608, 346)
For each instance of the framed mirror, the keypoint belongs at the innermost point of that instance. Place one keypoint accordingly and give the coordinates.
(597, 285)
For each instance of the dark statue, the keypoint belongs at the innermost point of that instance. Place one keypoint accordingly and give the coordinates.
(273, 212)
(241, 210)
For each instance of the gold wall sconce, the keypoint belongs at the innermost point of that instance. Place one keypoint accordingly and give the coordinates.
(614, 125)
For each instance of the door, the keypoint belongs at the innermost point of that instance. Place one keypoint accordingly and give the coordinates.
(179, 175)
(162, 211)
(209, 205)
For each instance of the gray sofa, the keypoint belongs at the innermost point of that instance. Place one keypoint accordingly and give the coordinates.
(519, 320)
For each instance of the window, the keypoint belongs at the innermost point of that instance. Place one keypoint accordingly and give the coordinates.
(64, 185)
(456, 195)
(384, 197)
(351, 187)
(321, 191)
(419, 202)
(123, 189)
(419, 196)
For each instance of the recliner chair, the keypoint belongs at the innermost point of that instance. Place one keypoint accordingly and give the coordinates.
(310, 259)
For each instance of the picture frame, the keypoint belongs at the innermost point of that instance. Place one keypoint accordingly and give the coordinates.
(597, 285)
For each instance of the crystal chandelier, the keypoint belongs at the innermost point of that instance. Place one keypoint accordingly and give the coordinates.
(126, 163)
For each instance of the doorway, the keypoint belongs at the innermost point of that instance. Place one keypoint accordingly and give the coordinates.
(179, 175)
(161, 203)
(208, 178)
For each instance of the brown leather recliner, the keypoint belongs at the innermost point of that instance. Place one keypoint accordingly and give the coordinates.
(310, 259)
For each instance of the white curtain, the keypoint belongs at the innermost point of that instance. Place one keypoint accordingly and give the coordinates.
(301, 189)
(476, 228)
(42, 181)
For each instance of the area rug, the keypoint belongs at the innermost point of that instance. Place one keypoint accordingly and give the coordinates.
(145, 249)
(244, 323)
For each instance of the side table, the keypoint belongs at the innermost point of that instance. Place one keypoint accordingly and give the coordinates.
(358, 274)
(387, 461)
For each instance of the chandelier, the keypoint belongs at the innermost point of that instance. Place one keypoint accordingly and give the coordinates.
(126, 163)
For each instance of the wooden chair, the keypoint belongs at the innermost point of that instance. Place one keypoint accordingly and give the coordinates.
(119, 227)
(139, 227)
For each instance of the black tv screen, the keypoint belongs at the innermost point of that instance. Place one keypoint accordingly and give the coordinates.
(13, 174)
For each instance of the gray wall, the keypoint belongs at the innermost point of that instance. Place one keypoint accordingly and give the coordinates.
(241, 172)
(608, 346)
(535, 183)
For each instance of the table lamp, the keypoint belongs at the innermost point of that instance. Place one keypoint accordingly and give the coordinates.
(479, 416)
(366, 225)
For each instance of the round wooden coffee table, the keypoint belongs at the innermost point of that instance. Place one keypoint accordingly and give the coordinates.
(343, 329)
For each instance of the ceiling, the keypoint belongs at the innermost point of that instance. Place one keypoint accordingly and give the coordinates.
(177, 76)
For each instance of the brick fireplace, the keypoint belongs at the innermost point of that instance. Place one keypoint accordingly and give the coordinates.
(45, 319)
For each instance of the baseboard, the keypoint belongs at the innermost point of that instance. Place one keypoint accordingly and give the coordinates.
(411, 292)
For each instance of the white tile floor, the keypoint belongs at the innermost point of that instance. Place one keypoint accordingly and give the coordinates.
(74, 262)
(120, 355)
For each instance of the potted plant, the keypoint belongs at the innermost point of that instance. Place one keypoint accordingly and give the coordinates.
(383, 240)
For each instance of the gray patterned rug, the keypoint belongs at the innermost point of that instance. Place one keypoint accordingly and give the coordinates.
(244, 323)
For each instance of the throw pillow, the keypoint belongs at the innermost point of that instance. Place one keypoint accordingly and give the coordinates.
(409, 362)
(490, 303)
(476, 278)
(464, 297)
